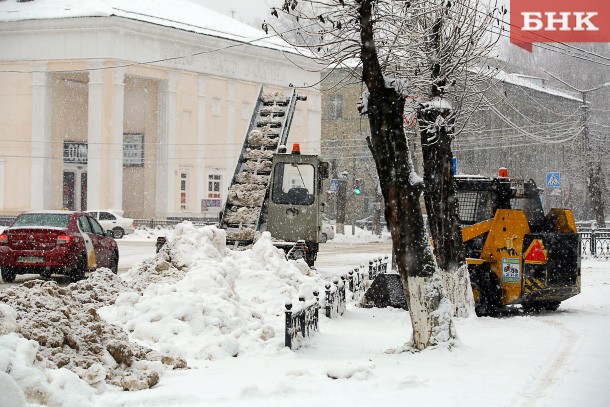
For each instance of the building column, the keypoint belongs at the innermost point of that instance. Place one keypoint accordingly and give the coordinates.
(94, 135)
(42, 104)
(166, 140)
(201, 139)
(117, 137)
(231, 158)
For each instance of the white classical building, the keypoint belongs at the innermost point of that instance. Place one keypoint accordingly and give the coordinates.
(140, 105)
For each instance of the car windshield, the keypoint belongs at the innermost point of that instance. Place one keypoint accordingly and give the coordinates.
(57, 220)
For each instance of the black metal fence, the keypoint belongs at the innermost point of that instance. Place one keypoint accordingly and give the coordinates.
(302, 323)
(378, 266)
(355, 280)
(595, 242)
(171, 222)
(335, 299)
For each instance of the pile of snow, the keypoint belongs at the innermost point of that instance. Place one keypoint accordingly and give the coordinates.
(54, 335)
(195, 301)
(203, 302)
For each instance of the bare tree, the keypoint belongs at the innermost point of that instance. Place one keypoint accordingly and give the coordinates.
(446, 43)
(365, 31)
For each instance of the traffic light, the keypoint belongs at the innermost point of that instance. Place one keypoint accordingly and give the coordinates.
(357, 186)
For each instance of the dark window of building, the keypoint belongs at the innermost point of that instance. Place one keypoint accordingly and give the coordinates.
(335, 107)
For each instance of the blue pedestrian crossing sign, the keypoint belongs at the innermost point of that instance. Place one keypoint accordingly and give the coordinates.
(334, 185)
(553, 180)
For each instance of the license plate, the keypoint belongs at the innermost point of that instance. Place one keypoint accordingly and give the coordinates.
(30, 259)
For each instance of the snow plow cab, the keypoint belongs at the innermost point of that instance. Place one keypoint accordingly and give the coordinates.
(515, 253)
(294, 207)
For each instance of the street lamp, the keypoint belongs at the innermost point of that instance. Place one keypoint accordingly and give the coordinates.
(594, 187)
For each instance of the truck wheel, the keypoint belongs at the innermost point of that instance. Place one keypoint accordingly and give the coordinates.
(8, 275)
(485, 286)
(118, 232)
(78, 271)
(552, 305)
(310, 261)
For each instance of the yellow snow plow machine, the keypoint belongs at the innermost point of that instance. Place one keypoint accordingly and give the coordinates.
(515, 253)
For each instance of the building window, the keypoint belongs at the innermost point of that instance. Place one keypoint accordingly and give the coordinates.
(133, 150)
(214, 186)
(213, 198)
(183, 190)
(335, 107)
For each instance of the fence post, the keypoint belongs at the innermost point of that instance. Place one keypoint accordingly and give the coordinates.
(593, 242)
(350, 277)
(316, 294)
(302, 317)
(288, 335)
(370, 269)
(385, 264)
(327, 286)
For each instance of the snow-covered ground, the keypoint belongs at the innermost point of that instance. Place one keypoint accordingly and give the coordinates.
(222, 311)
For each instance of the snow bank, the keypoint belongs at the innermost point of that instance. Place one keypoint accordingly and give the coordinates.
(360, 236)
(194, 300)
(199, 300)
(148, 234)
(54, 335)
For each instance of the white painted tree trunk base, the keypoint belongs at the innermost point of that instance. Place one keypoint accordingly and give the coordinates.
(431, 312)
(459, 291)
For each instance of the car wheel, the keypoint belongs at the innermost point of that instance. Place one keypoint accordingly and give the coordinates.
(78, 272)
(118, 232)
(8, 275)
(324, 237)
(114, 263)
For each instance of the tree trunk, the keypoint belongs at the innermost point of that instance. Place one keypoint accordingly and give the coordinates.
(442, 207)
(595, 192)
(436, 130)
(401, 188)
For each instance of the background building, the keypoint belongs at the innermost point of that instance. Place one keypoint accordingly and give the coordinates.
(134, 105)
(526, 126)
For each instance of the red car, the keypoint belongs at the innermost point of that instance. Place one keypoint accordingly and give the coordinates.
(56, 242)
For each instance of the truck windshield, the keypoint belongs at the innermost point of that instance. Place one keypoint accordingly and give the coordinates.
(293, 184)
(474, 206)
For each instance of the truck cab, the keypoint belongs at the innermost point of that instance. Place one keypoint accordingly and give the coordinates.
(295, 204)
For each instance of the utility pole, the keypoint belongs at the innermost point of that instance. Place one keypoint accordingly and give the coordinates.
(595, 201)
(341, 198)
(354, 203)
